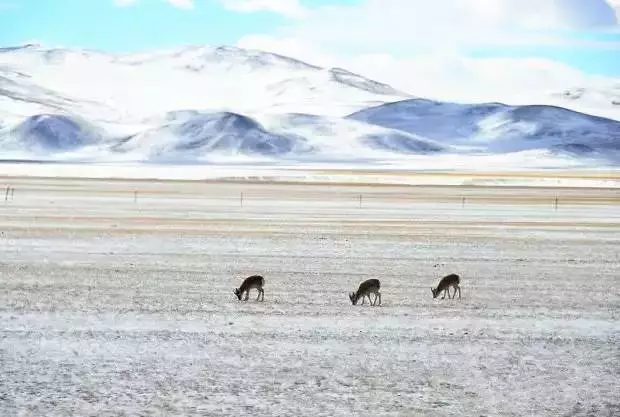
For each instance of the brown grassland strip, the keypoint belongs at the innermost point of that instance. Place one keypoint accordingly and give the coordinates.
(480, 233)
(314, 222)
(273, 180)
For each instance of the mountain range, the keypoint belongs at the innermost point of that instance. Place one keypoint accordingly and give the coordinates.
(207, 104)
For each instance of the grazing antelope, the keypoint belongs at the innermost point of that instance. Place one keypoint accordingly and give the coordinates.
(254, 281)
(452, 280)
(364, 290)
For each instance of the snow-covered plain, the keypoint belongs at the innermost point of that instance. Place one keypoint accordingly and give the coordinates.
(532, 170)
(117, 299)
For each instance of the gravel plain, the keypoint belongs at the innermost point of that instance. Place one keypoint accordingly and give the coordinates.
(116, 299)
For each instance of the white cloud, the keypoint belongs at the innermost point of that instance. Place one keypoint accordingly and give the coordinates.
(446, 75)
(373, 24)
(290, 8)
(616, 6)
(456, 77)
(397, 41)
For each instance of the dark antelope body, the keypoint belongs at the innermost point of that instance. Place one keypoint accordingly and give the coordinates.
(452, 280)
(366, 288)
(254, 281)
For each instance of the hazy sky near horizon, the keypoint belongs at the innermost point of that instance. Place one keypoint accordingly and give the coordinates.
(383, 36)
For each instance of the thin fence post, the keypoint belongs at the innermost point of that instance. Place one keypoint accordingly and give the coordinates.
(463, 201)
(241, 199)
(360, 201)
(556, 204)
(135, 196)
(12, 193)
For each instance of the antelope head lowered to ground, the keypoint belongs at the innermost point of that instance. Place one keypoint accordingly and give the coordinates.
(452, 280)
(366, 288)
(254, 281)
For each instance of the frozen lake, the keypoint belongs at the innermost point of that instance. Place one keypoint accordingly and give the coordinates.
(116, 299)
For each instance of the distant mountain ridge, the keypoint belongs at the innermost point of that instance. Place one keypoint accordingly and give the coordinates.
(215, 78)
(496, 127)
(201, 103)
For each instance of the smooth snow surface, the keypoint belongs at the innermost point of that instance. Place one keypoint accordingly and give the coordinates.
(436, 171)
(117, 299)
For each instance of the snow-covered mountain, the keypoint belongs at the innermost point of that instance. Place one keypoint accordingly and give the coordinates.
(50, 132)
(200, 134)
(204, 103)
(499, 128)
(131, 87)
(602, 99)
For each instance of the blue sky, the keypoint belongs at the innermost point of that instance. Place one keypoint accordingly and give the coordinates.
(100, 24)
(582, 33)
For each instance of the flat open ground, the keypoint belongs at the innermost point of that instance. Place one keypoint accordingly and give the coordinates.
(116, 299)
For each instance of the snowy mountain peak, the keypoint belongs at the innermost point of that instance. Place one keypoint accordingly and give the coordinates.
(135, 87)
(355, 80)
(199, 57)
(27, 46)
(608, 94)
